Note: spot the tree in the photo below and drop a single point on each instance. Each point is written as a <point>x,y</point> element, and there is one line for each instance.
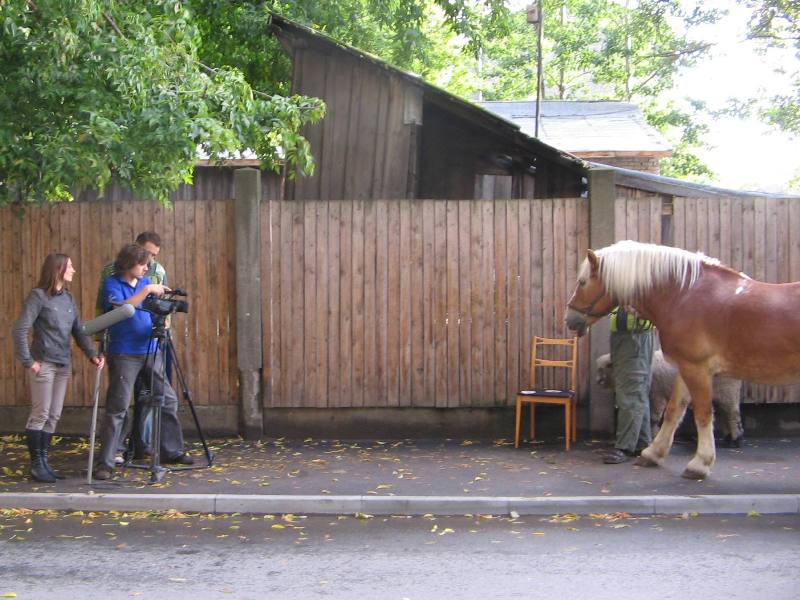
<point>776,24</point>
<point>604,50</point>
<point>95,90</point>
<point>410,34</point>
<point>102,90</point>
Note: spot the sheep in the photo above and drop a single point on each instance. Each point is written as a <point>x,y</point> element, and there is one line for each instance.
<point>726,394</point>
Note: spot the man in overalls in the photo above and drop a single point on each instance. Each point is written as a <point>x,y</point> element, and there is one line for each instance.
<point>631,359</point>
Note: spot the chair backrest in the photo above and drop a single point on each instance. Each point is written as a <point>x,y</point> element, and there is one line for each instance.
<point>569,352</point>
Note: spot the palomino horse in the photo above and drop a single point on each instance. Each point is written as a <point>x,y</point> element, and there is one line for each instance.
<point>710,320</point>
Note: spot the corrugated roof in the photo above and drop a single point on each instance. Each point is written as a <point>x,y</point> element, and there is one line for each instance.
<point>578,126</point>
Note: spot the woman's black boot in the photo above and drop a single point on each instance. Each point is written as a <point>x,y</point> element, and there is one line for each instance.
<point>46,437</point>
<point>37,471</point>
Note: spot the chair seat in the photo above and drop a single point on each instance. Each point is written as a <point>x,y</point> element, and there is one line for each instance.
<point>547,392</point>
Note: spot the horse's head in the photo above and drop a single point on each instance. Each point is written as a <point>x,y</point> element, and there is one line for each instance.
<point>589,301</point>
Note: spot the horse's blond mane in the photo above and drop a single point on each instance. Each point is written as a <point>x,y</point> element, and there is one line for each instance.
<point>630,269</point>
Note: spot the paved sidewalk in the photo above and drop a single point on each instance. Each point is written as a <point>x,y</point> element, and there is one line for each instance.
<point>416,477</point>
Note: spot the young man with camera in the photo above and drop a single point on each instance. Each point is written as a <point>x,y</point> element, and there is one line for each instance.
<point>138,424</point>
<point>130,355</point>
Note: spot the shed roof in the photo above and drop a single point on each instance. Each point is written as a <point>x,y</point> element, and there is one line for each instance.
<point>586,126</point>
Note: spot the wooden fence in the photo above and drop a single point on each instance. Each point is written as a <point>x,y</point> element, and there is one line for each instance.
<point>412,302</point>
<point>757,236</point>
<point>407,303</point>
<point>197,251</point>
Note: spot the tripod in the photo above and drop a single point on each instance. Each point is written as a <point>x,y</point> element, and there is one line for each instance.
<point>153,400</point>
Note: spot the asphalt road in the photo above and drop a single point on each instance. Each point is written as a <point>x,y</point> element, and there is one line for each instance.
<point>51,555</point>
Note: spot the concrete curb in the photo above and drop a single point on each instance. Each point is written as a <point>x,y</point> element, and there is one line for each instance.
<point>406,505</point>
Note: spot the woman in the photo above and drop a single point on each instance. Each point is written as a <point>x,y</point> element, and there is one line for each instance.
<point>51,311</point>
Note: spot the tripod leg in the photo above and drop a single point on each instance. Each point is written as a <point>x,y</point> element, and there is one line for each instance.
<point>157,401</point>
<point>187,395</point>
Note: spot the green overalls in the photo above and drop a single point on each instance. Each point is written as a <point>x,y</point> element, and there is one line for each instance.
<point>632,359</point>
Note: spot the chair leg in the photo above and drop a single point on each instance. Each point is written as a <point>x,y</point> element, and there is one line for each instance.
<point>533,420</point>
<point>518,422</point>
<point>568,422</point>
<point>574,421</point>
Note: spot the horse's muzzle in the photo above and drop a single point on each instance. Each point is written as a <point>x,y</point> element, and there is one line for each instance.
<point>576,322</point>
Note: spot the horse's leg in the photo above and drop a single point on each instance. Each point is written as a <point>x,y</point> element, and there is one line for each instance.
<point>657,451</point>
<point>698,381</point>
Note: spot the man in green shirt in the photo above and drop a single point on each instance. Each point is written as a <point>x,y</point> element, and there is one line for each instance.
<point>140,426</point>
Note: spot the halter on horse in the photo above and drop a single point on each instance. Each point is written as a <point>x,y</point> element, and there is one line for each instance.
<point>710,320</point>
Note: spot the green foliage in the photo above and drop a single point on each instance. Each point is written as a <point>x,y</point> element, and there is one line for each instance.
<point>594,49</point>
<point>776,24</point>
<point>417,35</point>
<point>603,50</point>
<point>686,133</point>
<point>95,91</point>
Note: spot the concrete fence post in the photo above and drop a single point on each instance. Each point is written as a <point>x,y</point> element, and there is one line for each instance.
<point>247,197</point>
<point>602,196</point>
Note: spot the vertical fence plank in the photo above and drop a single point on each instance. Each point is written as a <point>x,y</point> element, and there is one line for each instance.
<point>440,300</point>
<point>359,324</point>
<point>452,318</point>
<point>527,304</point>
<point>428,307</point>
<point>405,347</point>
<point>417,299</point>
<point>333,276</point>
<point>344,347</point>
<point>394,238</point>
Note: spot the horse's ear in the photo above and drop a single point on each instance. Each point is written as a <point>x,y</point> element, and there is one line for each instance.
<point>594,262</point>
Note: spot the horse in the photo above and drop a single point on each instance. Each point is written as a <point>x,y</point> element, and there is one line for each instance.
<point>710,319</point>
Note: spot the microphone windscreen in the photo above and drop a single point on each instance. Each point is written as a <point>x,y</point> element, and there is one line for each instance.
<point>112,317</point>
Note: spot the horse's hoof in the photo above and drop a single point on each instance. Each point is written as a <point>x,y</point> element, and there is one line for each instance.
<point>693,474</point>
<point>643,461</point>
<point>648,458</point>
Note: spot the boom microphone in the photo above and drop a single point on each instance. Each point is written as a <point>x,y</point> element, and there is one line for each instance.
<point>112,317</point>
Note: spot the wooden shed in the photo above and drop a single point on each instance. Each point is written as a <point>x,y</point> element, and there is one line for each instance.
<point>388,134</point>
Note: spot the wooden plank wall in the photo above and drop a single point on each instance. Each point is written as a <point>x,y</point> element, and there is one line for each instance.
<point>197,251</point>
<point>427,303</point>
<point>363,147</point>
<point>638,216</point>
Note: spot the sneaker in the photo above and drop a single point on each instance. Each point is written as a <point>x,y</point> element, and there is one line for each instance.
<point>102,473</point>
<point>617,456</point>
<point>181,459</point>
<point>119,460</point>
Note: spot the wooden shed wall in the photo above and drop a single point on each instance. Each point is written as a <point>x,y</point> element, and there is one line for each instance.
<point>363,148</point>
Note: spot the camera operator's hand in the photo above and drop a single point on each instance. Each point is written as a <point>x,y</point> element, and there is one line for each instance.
<point>157,289</point>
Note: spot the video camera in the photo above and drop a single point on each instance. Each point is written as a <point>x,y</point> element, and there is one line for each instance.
<point>166,304</point>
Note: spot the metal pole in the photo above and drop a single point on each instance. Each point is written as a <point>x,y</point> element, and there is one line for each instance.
<point>536,17</point>
<point>539,78</point>
<point>93,426</point>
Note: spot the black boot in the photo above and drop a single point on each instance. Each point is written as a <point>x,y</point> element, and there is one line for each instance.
<point>46,437</point>
<point>37,470</point>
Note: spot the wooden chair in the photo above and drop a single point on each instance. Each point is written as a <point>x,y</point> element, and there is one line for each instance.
<point>539,395</point>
